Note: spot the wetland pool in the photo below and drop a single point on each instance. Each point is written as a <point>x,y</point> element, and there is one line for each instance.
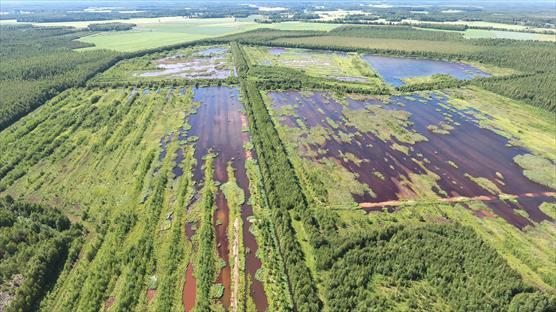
<point>460,160</point>
<point>394,69</point>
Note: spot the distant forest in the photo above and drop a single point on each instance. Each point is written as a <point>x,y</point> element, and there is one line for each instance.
<point>38,63</point>
<point>535,16</point>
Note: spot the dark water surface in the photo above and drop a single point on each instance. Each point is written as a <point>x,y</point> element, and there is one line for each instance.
<point>475,151</point>
<point>394,69</point>
<point>218,125</point>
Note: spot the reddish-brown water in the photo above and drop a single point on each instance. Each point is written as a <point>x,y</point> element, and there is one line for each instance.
<point>218,125</point>
<point>189,231</point>
<point>189,289</point>
<point>221,221</point>
<point>476,151</point>
<point>252,263</point>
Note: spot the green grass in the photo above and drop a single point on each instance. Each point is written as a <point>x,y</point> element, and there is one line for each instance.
<point>150,33</point>
<point>504,34</point>
<point>386,124</point>
<point>438,78</point>
<point>524,125</point>
<point>538,169</point>
<point>315,63</point>
<point>414,295</point>
<point>136,40</point>
<point>549,209</point>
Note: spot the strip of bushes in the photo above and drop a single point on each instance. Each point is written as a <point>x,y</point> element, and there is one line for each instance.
<point>205,268</point>
<point>283,192</point>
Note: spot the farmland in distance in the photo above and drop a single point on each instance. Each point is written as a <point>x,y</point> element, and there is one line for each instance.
<point>266,172</point>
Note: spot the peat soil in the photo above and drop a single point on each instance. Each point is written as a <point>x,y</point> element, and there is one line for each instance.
<point>218,126</point>
<point>448,160</point>
<point>189,289</point>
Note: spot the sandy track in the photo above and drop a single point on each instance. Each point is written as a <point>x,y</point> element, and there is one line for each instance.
<point>391,203</point>
<point>235,276</point>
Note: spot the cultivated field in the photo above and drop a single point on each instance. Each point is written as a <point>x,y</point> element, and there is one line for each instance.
<point>501,34</point>
<point>382,44</point>
<point>153,33</point>
<point>495,26</point>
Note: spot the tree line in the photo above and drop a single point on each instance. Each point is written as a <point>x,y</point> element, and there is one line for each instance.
<point>534,84</point>
<point>110,26</point>
<point>283,192</point>
<point>394,32</point>
<point>205,268</point>
<point>466,273</point>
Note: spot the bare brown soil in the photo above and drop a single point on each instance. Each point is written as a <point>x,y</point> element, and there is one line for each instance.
<point>109,302</point>
<point>485,214</point>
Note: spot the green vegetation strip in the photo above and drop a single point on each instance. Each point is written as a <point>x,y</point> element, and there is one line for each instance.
<point>281,189</point>
<point>43,239</point>
<point>205,268</point>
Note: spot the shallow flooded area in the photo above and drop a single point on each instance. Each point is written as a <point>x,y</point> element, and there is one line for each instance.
<point>205,67</point>
<point>189,289</point>
<point>348,67</point>
<point>409,148</point>
<point>394,69</point>
<point>218,124</point>
<point>195,62</point>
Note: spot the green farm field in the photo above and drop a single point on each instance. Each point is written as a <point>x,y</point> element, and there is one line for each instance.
<point>496,26</point>
<point>153,33</point>
<point>501,34</point>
